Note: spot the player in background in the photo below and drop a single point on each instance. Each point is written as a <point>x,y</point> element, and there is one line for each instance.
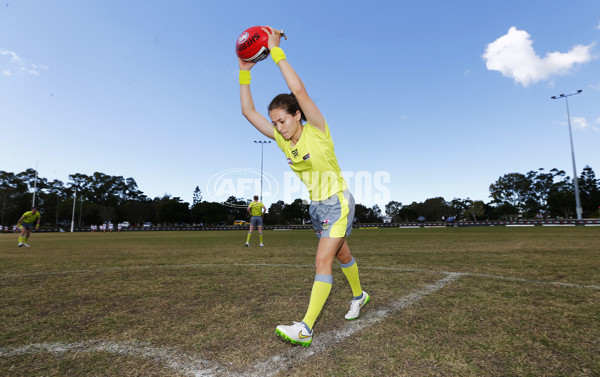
<point>309,150</point>
<point>257,211</point>
<point>26,224</point>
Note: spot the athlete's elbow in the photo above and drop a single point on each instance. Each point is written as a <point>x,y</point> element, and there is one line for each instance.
<point>298,91</point>
<point>246,112</point>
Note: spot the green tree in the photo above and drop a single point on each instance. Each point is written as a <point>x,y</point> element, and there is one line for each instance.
<point>561,199</point>
<point>236,209</point>
<point>209,213</point>
<point>474,210</point>
<point>275,213</point>
<point>295,212</point>
<point>506,211</point>
<point>459,206</point>
<point>432,209</point>
<point>392,209</point>
<point>589,190</point>
<point>512,189</point>
<point>197,196</point>
<point>363,214</point>
<point>408,213</point>
<point>172,211</point>
<point>137,211</point>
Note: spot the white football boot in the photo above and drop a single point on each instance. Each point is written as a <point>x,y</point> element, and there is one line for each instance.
<point>355,306</point>
<point>296,334</point>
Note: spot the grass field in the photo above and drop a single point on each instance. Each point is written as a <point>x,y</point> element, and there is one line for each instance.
<point>491,301</point>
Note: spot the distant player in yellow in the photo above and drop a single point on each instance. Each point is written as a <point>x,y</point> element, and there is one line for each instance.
<point>257,211</point>
<point>309,150</point>
<point>26,224</point>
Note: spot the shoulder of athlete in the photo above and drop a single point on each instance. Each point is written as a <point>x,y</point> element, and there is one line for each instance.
<point>317,130</point>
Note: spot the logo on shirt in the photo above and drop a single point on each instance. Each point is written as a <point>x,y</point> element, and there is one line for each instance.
<point>295,153</point>
<point>290,161</point>
<point>306,157</point>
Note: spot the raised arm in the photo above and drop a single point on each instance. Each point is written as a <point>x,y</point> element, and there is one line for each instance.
<point>311,111</point>
<point>248,109</point>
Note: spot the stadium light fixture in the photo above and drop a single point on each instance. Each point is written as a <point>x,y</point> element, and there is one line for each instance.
<point>575,179</point>
<point>262,145</point>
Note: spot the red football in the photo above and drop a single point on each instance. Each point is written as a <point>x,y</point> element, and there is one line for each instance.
<point>252,45</point>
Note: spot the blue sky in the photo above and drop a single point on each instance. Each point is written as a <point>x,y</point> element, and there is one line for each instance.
<point>423,99</point>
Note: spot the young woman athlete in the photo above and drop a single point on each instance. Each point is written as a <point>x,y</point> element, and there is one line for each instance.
<point>309,150</point>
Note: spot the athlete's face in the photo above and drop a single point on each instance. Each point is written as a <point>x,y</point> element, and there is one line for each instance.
<point>287,124</point>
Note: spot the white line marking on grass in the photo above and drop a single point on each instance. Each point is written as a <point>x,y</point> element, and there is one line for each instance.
<point>176,361</point>
<point>190,366</point>
<point>499,277</point>
<point>327,340</point>
<point>186,365</point>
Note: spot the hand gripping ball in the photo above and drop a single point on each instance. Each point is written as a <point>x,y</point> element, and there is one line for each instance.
<point>252,45</point>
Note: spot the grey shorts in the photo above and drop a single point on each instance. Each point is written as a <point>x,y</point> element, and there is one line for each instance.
<point>333,216</point>
<point>27,226</point>
<point>256,221</point>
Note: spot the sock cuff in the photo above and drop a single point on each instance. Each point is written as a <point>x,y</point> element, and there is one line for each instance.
<point>306,326</point>
<point>324,278</point>
<point>349,264</point>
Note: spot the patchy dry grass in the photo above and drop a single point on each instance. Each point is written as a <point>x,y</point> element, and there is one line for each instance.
<point>177,303</point>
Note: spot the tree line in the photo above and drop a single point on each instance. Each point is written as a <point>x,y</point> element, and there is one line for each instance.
<point>99,198</point>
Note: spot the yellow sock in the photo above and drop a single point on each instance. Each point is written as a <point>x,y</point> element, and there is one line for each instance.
<point>350,269</point>
<point>25,239</point>
<point>320,292</point>
<point>248,238</point>
<point>20,239</point>
<point>260,237</point>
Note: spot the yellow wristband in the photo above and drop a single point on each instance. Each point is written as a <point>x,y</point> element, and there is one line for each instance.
<point>244,77</point>
<point>277,54</point>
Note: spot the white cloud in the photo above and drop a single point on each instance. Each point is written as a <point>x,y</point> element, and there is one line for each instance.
<point>14,57</point>
<point>580,123</point>
<point>22,65</point>
<point>513,56</point>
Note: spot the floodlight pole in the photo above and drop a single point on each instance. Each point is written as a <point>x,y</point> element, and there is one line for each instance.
<point>262,145</point>
<point>575,179</point>
<point>73,216</point>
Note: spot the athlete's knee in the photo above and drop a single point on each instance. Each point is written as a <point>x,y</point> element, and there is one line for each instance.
<point>323,260</point>
<point>344,258</point>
